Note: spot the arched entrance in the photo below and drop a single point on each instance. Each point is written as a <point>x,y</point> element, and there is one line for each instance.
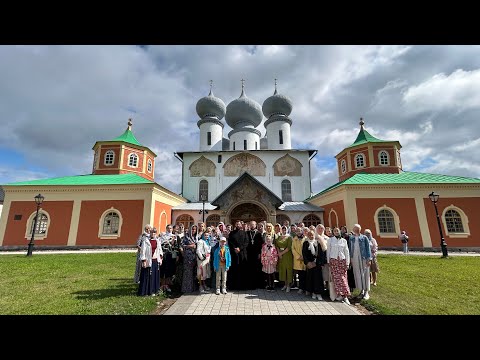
<point>247,212</point>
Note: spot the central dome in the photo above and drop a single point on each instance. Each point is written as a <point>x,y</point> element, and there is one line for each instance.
<point>243,110</point>
<point>210,106</point>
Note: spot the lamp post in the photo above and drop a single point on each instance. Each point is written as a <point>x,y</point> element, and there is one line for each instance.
<point>434,198</point>
<point>38,200</point>
<point>203,198</point>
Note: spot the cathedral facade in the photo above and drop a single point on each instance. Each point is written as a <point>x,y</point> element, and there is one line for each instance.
<point>245,176</point>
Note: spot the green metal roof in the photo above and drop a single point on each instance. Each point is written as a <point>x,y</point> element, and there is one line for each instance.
<point>364,137</point>
<point>79,180</point>
<point>405,177</point>
<point>128,137</point>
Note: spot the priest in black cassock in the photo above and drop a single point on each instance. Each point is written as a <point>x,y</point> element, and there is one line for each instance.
<point>254,249</point>
<point>238,273</point>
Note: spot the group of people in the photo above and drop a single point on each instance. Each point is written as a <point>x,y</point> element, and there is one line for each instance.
<point>318,261</point>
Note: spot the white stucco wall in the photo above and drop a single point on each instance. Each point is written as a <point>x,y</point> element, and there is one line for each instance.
<point>1,207</point>
<point>273,137</point>
<point>217,184</point>
<point>240,136</point>
<point>217,135</point>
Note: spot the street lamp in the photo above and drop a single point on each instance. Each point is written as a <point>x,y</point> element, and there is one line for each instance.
<point>39,200</point>
<point>434,198</point>
<point>203,198</point>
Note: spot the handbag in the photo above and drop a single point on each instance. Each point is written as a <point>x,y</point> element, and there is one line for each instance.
<point>311,265</point>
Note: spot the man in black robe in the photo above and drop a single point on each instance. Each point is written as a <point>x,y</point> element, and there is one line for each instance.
<point>255,242</point>
<point>238,273</point>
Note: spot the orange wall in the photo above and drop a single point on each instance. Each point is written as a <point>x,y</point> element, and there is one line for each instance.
<point>406,211</point>
<point>92,210</point>
<point>159,221</point>
<point>339,208</point>
<point>127,152</point>
<point>103,150</point>
<point>60,216</point>
<point>469,206</point>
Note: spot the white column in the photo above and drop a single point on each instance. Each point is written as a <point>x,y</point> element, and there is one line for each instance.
<point>422,222</point>
<point>72,234</point>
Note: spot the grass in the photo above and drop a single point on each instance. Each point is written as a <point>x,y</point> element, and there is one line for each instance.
<point>71,284</point>
<point>426,285</point>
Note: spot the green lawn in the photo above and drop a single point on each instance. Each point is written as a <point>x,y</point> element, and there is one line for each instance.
<point>73,284</point>
<point>426,285</point>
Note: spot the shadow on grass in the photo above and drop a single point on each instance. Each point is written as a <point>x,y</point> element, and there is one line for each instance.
<point>124,287</point>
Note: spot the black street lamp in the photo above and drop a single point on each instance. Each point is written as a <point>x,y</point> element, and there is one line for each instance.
<point>39,200</point>
<point>434,198</point>
<point>203,198</point>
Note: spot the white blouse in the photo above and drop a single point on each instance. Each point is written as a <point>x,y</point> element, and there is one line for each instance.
<point>338,249</point>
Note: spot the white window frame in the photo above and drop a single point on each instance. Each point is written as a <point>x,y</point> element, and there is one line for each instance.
<point>101,235</point>
<point>330,219</point>
<point>380,158</point>
<point>363,159</point>
<point>343,166</point>
<point>28,234</point>
<point>130,156</point>
<point>149,165</point>
<point>105,158</point>
<point>396,220</point>
<point>463,216</point>
<point>281,189</point>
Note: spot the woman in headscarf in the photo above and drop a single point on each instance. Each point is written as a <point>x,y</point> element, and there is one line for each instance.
<point>322,239</point>
<point>314,258</point>
<point>285,262</point>
<point>338,257</point>
<point>189,244</point>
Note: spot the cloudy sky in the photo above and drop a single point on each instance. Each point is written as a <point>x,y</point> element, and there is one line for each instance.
<point>57,101</point>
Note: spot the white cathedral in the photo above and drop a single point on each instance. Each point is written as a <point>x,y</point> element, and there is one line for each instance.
<point>246,177</point>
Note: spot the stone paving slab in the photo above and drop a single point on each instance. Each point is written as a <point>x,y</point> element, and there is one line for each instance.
<point>257,302</point>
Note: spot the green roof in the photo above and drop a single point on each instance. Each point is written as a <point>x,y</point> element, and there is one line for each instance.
<point>80,180</point>
<point>405,177</point>
<point>365,137</point>
<point>128,137</point>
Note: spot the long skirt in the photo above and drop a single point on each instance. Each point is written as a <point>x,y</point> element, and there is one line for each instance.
<point>374,266</point>
<point>314,283</point>
<point>338,270</point>
<point>155,277</point>
<point>189,272</point>
<point>168,265</point>
<point>145,285</point>
<point>138,268</point>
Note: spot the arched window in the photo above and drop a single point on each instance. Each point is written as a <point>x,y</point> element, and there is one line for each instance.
<point>286,190</point>
<point>453,221</point>
<point>343,165</point>
<point>42,224</point>
<point>213,220</point>
<point>386,221</point>
<point>203,189</point>
<point>311,219</point>
<point>332,219</point>
<point>149,166</point>
<point>186,220</point>
<point>281,218</point>
<point>359,160</point>
<point>95,157</point>
<point>111,223</point>
<point>133,160</point>
<point>109,158</point>
<point>384,158</point>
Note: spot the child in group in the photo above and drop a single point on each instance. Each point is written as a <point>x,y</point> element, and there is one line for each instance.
<point>269,259</point>
<point>203,260</point>
<point>221,264</point>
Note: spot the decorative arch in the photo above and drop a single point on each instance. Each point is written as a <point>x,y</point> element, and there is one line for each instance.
<point>110,224</point>
<point>287,166</point>
<point>109,158</point>
<point>343,165</point>
<point>455,222</point>
<point>311,219</point>
<point>286,190</point>
<point>248,202</point>
<point>330,219</point>
<point>359,160</point>
<point>133,160</point>
<point>244,162</point>
<point>387,216</point>
<point>212,220</point>
<point>202,167</point>
<point>43,225</point>
<point>383,158</point>
<point>186,220</point>
<point>162,224</point>
<point>202,189</point>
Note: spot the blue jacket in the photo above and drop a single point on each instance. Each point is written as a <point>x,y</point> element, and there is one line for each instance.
<point>364,246</point>
<point>216,258</point>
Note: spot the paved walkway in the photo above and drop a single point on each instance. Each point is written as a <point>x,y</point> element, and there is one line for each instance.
<point>257,302</point>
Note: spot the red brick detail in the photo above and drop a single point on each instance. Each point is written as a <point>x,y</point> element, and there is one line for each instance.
<point>92,210</point>
<point>339,209</point>
<point>406,211</point>
<point>59,222</point>
<point>469,206</point>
